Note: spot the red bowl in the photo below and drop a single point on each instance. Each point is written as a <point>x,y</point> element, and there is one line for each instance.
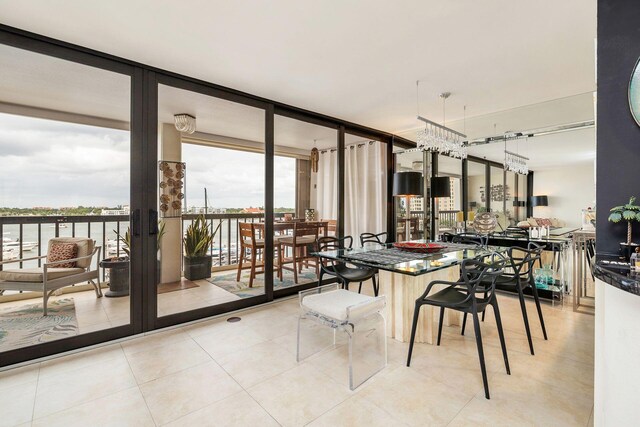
<point>419,247</point>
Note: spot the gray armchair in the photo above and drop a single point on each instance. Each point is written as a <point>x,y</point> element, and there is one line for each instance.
<point>49,278</point>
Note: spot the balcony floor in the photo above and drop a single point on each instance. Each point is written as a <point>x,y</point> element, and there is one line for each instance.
<point>245,373</point>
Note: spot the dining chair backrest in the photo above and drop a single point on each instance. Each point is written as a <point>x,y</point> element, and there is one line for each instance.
<point>475,275</point>
<point>331,243</point>
<point>304,229</point>
<point>380,238</point>
<point>247,233</point>
<point>522,262</point>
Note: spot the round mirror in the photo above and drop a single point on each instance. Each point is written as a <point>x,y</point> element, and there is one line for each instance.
<point>634,93</point>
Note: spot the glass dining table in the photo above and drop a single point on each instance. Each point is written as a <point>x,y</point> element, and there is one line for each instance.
<point>404,276</point>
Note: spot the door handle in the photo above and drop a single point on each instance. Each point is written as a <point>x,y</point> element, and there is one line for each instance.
<point>153,222</point>
<point>135,222</point>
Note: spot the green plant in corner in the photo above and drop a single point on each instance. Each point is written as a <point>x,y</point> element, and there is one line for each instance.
<point>125,240</point>
<point>198,237</point>
<point>629,212</point>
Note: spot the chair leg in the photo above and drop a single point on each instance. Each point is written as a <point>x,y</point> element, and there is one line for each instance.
<point>414,326</point>
<point>45,299</point>
<point>295,265</point>
<point>464,323</point>
<point>484,311</point>
<point>483,368</point>
<point>253,268</point>
<point>240,261</point>
<point>503,344</point>
<point>440,324</point>
<point>360,288</point>
<point>320,278</point>
<point>537,300</point>
<point>375,285</point>
<point>526,319</point>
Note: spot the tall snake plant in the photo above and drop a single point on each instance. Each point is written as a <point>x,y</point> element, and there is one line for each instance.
<point>198,237</point>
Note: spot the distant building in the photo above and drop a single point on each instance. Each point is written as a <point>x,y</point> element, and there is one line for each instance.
<point>252,210</point>
<point>121,210</point>
<point>417,204</point>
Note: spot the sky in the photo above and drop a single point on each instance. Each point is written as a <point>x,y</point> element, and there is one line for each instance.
<point>58,164</point>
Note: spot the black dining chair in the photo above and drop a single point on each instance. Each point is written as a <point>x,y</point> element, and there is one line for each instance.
<point>472,294</point>
<point>380,238</point>
<point>471,239</point>
<point>517,277</point>
<point>343,273</point>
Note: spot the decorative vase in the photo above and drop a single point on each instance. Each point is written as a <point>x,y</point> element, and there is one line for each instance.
<point>310,215</point>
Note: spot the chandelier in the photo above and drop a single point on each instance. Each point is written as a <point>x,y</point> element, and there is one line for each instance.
<point>185,123</point>
<point>514,162</point>
<point>439,138</point>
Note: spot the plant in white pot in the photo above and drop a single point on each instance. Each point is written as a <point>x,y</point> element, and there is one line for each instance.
<point>197,241</point>
<point>630,213</point>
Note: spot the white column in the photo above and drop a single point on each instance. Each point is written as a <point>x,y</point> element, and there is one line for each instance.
<point>171,244</point>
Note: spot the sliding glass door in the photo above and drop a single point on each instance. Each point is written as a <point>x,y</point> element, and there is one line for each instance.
<point>70,255</point>
<point>211,227</point>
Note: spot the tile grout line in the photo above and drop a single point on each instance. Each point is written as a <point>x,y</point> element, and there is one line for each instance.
<point>138,386</point>
<point>35,394</point>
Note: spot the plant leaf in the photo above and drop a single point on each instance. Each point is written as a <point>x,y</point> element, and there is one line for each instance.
<point>617,208</point>
<point>629,215</point>
<point>615,217</point>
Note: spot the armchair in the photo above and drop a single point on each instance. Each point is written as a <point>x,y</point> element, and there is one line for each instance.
<point>49,278</point>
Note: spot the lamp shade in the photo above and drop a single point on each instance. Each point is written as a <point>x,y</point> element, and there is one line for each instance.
<point>539,201</point>
<point>440,186</point>
<point>407,184</point>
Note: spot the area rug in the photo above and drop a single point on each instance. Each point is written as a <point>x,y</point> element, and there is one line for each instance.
<point>183,284</point>
<point>229,283</point>
<point>25,325</point>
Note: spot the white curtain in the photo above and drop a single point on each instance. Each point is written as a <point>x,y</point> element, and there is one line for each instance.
<point>327,185</point>
<point>365,188</point>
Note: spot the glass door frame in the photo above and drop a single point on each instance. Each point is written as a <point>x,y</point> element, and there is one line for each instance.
<point>42,45</point>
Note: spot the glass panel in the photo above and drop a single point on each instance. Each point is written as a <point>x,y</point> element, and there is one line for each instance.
<point>65,150</point>
<point>522,198</point>
<point>417,215</point>
<point>476,183</point>
<point>305,195</point>
<point>365,187</point>
<point>210,182</point>
<point>450,208</point>
<point>498,195</point>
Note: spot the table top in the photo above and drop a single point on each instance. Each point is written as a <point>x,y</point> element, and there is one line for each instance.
<point>559,235</point>
<point>386,257</point>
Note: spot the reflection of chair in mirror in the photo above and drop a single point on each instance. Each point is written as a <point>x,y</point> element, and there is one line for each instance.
<point>413,229</point>
<point>302,243</point>
<point>253,245</point>
<point>57,272</point>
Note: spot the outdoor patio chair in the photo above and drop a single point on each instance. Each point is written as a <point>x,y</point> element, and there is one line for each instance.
<point>51,277</point>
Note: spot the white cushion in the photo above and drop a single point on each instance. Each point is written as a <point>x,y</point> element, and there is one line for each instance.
<point>36,275</point>
<point>334,303</point>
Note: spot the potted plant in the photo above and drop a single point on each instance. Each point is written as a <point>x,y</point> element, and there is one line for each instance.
<point>119,268</point>
<point>629,212</point>
<point>197,241</point>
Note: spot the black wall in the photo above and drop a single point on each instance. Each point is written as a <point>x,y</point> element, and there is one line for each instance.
<point>618,135</point>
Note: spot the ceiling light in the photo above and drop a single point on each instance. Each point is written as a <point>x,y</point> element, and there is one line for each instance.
<point>185,123</point>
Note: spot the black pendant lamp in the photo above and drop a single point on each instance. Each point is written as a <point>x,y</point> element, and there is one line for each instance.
<point>539,201</point>
<point>407,184</point>
<point>440,186</point>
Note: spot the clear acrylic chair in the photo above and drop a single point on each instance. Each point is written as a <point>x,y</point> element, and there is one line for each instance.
<point>328,312</point>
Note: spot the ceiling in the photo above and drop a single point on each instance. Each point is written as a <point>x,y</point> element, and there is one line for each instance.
<point>358,61</point>
<point>355,60</point>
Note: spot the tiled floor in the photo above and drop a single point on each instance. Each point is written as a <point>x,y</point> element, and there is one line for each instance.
<point>245,374</point>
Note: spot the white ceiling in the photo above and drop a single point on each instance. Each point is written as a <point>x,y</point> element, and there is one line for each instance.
<point>354,60</point>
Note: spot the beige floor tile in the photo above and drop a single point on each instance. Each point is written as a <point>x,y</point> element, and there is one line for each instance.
<point>17,376</point>
<point>298,396</point>
<point>74,387</point>
<point>257,363</point>
<point>227,340</point>
<point>16,405</point>
<point>234,411</point>
<point>125,408</point>
<point>181,393</point>
<point>163,360</point>
<point>96,356</point>
<point>153,340</point>
<point>414,399</point>
<point>356,411</point>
